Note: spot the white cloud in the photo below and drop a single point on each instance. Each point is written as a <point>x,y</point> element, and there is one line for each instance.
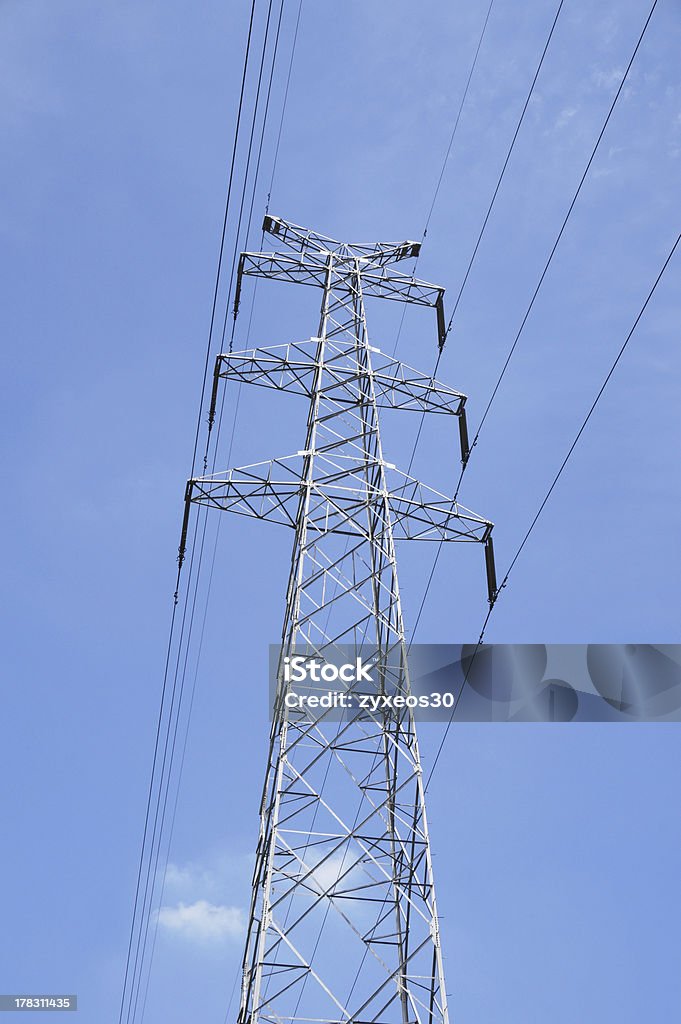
<point>217,879</point>
<point>345,870</point>
<point>203,921</point>
<point>327,874</point>
<point>182,880</point>
<point>565,116</point>
<point>609,80</point>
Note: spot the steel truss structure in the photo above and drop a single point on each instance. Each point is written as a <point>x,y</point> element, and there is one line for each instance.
<point>343,921</point>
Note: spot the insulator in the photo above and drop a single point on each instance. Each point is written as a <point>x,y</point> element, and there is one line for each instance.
<point>491,571</point>
<point>441,325</point>
<point>185,523</point>
<point>463,436</point>
<point>214,394</point>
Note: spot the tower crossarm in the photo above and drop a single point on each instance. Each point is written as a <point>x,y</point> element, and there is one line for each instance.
<point>272,490</point>
<point>311,268</point>
<point>292,367</point>
<point>371,254</point>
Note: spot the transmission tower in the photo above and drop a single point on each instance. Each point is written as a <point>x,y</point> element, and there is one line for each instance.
<point>343,922</point>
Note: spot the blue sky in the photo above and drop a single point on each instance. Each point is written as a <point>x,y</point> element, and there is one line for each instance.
<point>556,848</point>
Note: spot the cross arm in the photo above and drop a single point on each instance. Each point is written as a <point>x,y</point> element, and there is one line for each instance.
<point>339,491</point>
<point>291,368</point>
<point>304,241</point>
<point>313,267</point>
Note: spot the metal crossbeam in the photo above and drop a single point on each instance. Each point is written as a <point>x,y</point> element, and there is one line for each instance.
<point>302,240</point>
<point>292,368</point>
<point>273,490</point>
<point>343,923</point>
<point>311,259</point>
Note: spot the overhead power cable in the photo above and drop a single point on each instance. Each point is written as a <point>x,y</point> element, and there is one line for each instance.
<point>223,235</point>
<point>549,492</point>
<point>167,764</point>
<point>147,819</point>
<point>215,544</point>
<point>187,644</point>
<point>194,576</point>
<point>559,236</point>
<point>203,537</point>
<point>284,104</point>
<point>166,719</point>
<point>237,234</point>
<point>447,154</point>
<point>458,117</point>
<point>588,415</point>
<point>248,227</point>
<point>489,208</point>
<point>505,165</point>
<point>159,786</point>
<point>136,923</point>
<point>533,298</point>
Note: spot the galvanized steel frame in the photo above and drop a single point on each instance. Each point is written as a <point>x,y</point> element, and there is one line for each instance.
<point>343,922</point>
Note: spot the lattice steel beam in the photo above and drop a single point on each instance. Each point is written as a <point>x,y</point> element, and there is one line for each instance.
<point>291,368</point>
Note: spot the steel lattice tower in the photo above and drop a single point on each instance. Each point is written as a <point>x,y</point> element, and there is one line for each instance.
<point>343,922</point>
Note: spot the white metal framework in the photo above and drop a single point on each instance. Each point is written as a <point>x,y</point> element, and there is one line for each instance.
<point>343,922</point>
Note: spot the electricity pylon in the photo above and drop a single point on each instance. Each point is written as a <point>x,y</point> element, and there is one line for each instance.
<point>343,922</point>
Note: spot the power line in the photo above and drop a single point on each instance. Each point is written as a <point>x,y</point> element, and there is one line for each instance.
<point>549,492</point>
<point>458,117</point>
<point>558,237</point>
<point>146,854</point>
<point>505,165</point>
<point>285,101</point>
<point>446,158</point>
<point>250,216</point>
<point>223,235</point>
<point>264,120</point>
<point>164,785</point>
<point>139,925</point>
<point>536,290</point>
<point>147,812</point>
<point>489,209</point>
<point>589,413</point>
<point>246,172</point>
<point>165,788</point>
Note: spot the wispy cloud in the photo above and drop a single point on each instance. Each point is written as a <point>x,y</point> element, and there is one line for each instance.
<point>565,116</point>
<point>327,874</point>
<point>186,879</point>
<point>607,79</point>
<point>203,922</point>
<point>339,874</point>
<point>217,878</point>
